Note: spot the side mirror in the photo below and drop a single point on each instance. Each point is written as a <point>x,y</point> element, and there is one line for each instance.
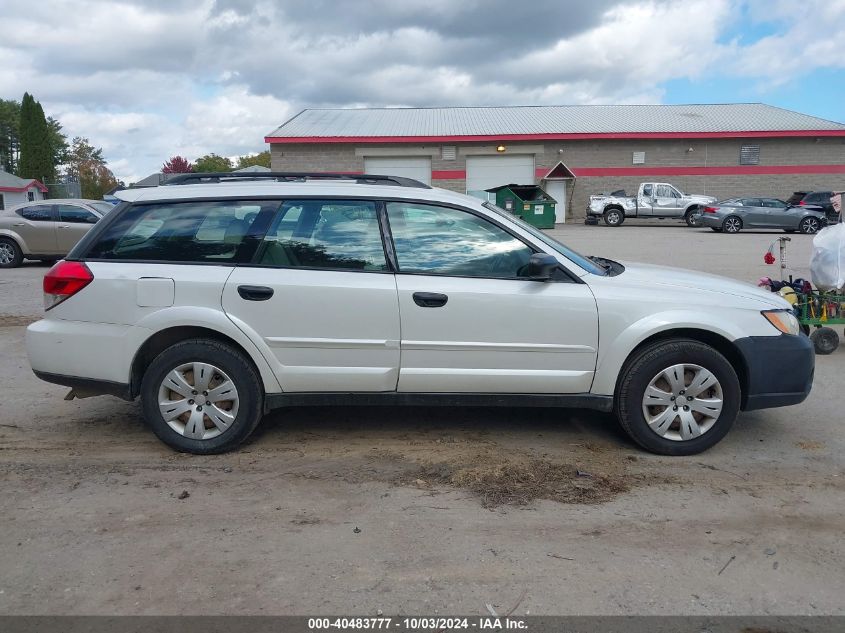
<point>541,266</point>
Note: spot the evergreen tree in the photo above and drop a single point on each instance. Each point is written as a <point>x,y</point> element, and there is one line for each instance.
<point>10,120</point>
<point>36,147</point>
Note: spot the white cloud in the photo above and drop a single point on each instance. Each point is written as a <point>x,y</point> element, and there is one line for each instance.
<point>146,79</point>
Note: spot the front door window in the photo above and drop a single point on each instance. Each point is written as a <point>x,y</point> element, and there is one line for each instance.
<point>441,241</point>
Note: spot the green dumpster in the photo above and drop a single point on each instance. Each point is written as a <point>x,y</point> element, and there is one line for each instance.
<point>528,202</point>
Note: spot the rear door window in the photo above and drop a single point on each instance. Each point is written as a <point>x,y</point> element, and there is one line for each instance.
<point>37,213</point>
<point>329,234</point>
<point>219,231</point>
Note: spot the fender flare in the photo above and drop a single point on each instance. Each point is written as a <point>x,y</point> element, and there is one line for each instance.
<point>216,320</point>
<point>20,241</point>
<point>613,354</point>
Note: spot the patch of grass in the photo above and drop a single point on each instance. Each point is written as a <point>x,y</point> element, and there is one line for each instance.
<point>520,483</point>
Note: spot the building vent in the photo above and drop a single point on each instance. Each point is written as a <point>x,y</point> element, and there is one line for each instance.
<point>749,155</point>
<point>448,152</point>
<point>638,158</point>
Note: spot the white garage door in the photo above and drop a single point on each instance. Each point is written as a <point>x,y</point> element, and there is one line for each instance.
<point>417,167</point>
<point>485,172</point>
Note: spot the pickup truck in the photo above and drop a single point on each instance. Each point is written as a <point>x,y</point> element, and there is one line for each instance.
<point>653,200</point>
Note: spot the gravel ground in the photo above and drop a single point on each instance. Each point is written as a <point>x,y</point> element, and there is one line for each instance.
<point>333,510</point>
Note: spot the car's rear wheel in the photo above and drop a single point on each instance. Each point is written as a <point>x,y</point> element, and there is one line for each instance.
<point>732,224</point>
<point>202,396</point>
<point>677,397</point>
<point>693,217</point>
<point>809,225</point>
<point>11,255</point>
<point>614,217</point>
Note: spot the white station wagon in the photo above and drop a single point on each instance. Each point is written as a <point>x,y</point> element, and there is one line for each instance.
<point>216,298</point>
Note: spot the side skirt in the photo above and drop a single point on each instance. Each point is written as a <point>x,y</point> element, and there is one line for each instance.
<point>393,398</point>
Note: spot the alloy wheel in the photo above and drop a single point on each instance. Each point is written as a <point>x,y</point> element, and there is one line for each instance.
<point>7,254</point>
<point>809,225</point>
<point>732,225</point>
<point>198,400</point>
<point>682,402</point>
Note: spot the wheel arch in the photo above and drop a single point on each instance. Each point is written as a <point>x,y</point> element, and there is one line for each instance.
<point>17,239</point>
<point>159,341</point>
<point>717,341</point>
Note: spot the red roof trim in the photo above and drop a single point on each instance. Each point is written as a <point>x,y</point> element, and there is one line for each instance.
<point>448,174</point>
<point>733,170</point>
<point>30,185</point>
<point>548,136</point>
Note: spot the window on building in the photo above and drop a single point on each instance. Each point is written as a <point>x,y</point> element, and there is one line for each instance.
<point>749,155</point>
<point>638,158</point>
<point>330,234</point>
<point>30,196</point>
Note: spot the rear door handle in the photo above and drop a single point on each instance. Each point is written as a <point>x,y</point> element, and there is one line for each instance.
<point>255,293</point>
<point>19,224</point>
<point>430,299</point>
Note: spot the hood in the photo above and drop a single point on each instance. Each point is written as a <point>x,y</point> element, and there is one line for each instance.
<point>703,199</point>
<point>668,278</point>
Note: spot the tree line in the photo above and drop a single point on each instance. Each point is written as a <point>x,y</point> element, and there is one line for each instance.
<point>214,163</point>
<point>34,147</point>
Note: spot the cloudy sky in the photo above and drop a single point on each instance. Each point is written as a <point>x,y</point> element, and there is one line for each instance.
<point>147,79</point>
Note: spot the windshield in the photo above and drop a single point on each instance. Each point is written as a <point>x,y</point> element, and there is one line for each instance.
<point>102,207</point>
<point>585,263</point>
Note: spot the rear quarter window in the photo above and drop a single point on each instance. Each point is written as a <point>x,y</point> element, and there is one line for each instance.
<point>217,231</point>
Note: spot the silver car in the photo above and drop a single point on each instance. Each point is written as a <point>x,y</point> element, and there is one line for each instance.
<point>46,229</point>
<point>735,214</point>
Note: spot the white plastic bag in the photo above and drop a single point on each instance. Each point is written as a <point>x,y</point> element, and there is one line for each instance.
<point>827,264</point>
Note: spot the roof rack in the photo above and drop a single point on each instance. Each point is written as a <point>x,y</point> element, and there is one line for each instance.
<point>293,176</point>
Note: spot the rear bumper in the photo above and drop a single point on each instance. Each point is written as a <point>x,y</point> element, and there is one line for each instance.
<point>85,387</point>
<point>708,219</point>
<point>780,370</point>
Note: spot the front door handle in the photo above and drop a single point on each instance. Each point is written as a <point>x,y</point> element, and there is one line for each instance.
<point>430,299</point>
<point>255,293</point>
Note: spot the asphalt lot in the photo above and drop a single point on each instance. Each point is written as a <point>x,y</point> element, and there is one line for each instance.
<point>416,511</point>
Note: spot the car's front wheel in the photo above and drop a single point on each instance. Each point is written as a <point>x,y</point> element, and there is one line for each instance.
<point>10,253</point>
<point>693,217</point>
<point>677,397</point>
<point>202,396</point>
<point>809,225</point>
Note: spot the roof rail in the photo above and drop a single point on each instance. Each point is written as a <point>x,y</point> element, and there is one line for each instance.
<point>292,176</point>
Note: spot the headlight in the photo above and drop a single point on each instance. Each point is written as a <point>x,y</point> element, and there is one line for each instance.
<point>783,320</point>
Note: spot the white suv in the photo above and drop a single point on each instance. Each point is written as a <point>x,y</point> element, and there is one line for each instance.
<point>216,298</point>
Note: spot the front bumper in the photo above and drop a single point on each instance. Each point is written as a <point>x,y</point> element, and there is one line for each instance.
<point>779,370</point>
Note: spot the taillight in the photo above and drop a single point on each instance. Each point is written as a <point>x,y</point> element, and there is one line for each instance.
<point>710,209</point>
<point>64,280</point>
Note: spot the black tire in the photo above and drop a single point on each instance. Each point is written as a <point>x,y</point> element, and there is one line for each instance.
<point>810,225</point>
<point>239,370</point>
<point>732,224</point>
<point>693,217</point>
<point>647,363</point>
<point>11,255</point>
<point>614,217</point>
<point>825,340</point>
<point>716,229</point>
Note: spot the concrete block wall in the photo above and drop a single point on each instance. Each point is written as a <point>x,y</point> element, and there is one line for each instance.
<point>593,154</point>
